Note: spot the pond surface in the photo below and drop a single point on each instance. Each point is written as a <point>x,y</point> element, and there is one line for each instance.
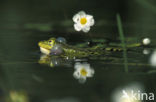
<point>21,74</point>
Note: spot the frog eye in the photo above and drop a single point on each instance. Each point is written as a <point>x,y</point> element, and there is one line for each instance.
<point>49,42</point>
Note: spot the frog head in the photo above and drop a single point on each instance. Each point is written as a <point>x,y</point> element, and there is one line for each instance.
<point>47,45</point>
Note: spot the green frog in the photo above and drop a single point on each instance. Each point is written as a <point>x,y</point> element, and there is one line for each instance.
<point>47,46</point>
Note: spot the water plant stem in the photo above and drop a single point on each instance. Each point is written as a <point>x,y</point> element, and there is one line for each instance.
<point>122,38</point>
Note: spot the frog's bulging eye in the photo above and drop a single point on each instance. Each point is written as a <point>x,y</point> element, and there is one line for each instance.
<point>50,41</point>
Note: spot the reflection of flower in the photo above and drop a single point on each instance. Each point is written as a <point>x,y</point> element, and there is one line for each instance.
<point>83,21</point>
<point>146,51</point>
<point>82,71</point>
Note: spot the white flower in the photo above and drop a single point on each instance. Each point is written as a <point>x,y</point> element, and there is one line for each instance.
<point>146,41</point>
<point>125,94</point>
<point>82,71</point>
<point>153,59</point>
<point>83,21</point>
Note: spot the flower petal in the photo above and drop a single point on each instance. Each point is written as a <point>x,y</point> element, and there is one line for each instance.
<point>76,18</point>
<point>82,14</point>
<point>90,73</point>
<point>77,66</point>
<point>76,74</point>
<point>90,20</point>
<point>86,66</point>
<point>77,27</point>
<point>85,29</point>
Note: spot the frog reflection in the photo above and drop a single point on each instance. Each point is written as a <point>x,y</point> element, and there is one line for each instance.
<point>54,61</point>
<point>83,71</point>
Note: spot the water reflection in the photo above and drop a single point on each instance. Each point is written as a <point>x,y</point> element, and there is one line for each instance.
<point>82,68</point>
<point>146,51</point>
<point>54,61</point>
<point>83,71</point>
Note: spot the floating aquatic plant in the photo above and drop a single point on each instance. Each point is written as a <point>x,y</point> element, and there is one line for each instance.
<point>83,21</point>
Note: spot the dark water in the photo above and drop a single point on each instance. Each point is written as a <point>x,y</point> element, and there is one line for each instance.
<point>24,23</point>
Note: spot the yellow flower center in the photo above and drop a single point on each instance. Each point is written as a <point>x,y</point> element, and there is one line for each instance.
<point>83,21</point>
<point>83,72</point>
